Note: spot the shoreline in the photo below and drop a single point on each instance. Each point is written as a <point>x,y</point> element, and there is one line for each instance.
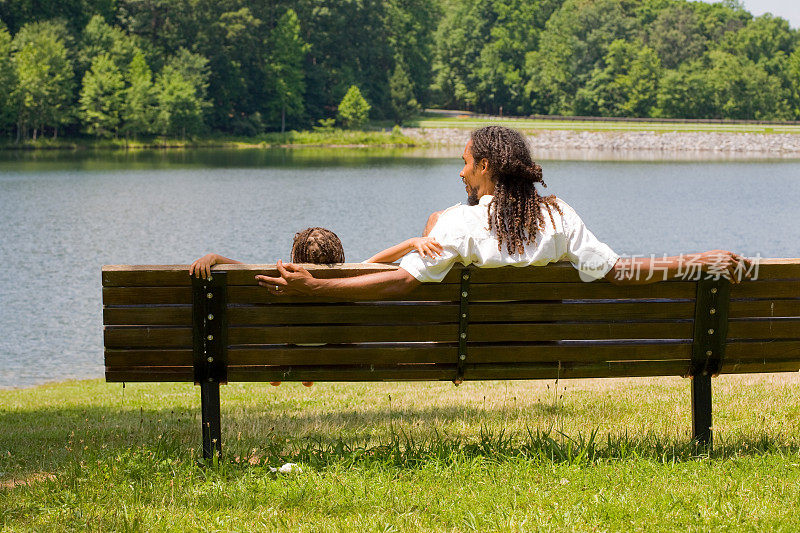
<point>438,142</point>
<point>684,144</point>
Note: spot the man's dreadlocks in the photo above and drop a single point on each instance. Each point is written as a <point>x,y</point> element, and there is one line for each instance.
<point>318,246</point>
<point>515,212</point>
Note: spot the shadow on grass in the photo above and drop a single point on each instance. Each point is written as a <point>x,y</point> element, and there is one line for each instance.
<point>56,439</point>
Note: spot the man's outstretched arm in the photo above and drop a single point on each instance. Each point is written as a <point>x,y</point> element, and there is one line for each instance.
<point>296,280</point>
<point>644,270</point>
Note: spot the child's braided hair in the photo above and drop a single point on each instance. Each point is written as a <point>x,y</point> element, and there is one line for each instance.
<point>318,246</point>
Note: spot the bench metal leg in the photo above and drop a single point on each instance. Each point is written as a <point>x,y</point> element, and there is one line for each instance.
<point>701,409</point>
<point>212,426</point>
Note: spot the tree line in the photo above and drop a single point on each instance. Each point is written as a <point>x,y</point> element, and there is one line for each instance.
<point>182,67</point>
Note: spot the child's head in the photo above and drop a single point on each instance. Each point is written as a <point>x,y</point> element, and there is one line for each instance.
<point>317,245</point>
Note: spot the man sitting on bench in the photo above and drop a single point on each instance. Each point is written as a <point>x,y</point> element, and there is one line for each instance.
<point>507,222</point>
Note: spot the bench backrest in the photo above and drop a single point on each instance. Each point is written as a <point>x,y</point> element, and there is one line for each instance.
<point>506,323</point>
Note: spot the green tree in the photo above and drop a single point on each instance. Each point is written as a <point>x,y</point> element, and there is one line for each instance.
<point>404,104</point>
<point>572,47</point>
<point>180,110</point>
<point>685,93</point>
<point>411,30</point>
<point>721,85</point>
<point>45,77</point>
<point>353,109</point>
<point>793,75</point>
<point>676,35</point>
<point>8,81</point>
<point>763,38</point>
<point>102,97</point>
<point>193,68</point>
<point>481,48</point>
<point>626,87</point>
<point>138,110</point>
<point>743,89</point>
<point>286,66</point>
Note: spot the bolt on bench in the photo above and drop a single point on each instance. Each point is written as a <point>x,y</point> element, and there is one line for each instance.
<point>478,324</point>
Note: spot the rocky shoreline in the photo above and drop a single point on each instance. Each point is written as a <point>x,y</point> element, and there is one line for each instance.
<point>690,143</point>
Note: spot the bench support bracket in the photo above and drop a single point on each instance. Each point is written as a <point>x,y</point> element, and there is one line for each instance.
<point>463,323</point>
<point>708,351</point>
<point>212,424</point>
<point>209,346</point>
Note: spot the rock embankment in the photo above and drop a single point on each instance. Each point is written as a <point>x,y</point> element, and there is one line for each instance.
<point>715,142</point>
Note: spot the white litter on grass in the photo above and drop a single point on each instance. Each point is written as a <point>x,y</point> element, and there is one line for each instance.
<point>288,468</point>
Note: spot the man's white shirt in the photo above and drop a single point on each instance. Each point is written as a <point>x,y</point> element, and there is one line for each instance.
<point>463,232</point>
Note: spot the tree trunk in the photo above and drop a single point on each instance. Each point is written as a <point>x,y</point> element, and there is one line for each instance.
<point>283,119</point>
<point>34,133</point>
<point>55,132</point>
<point>19,131</point>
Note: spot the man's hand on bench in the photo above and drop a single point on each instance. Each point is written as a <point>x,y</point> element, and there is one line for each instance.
<point>294,280</point>
<point>643,270</point>
<point>377,286</point>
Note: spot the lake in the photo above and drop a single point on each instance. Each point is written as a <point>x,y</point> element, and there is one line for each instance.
<point>64,215</point>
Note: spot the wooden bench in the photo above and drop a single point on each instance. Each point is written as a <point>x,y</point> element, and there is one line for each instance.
<point>479,324</point>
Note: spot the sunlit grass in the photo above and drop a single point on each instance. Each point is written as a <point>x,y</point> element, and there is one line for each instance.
<point>609,454</point>
<point>334,137</point>
<point>611,125</point>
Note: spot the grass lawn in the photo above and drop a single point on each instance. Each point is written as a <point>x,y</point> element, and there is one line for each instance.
<point>345,138</point>
<point>533,124</point>
<point>586,455</point>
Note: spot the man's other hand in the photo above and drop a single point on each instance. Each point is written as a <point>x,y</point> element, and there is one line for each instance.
<point>294,280</point>
<point>731,266</point>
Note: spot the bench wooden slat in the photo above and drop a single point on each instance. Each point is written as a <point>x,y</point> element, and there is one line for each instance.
<point>759,366</point>
<point>296,355</point>
<point>493,292</point>
<point>339,335</point>
<point>409,353</point>
<point>148,316</point>
<point>582,291</point>
<point>581,331</point>
<point>764,329</point>
<point>764,308</point>
<point>145,374</point>
<point>589,352</point>
<point>381,313</point>
<point>772,349</point>
<point>621,310</point>
<point>766,289</point>
<point>355,373</point>
<point>496,353</point>
<point>148,357</point>
<point>776,269</point>
<point>473,372</point>
<point>445,372</point>
<point>259,295</point>
<point>147,295</point>
<point>147,337</point>
<point>449,332</point>
<point>177,275</point>
<point>370,313</point>
<point>577,370</point>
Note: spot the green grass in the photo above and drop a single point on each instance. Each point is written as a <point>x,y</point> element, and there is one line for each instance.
<point>533,124</point>
<point>608,455</point>
<point>347,138</point>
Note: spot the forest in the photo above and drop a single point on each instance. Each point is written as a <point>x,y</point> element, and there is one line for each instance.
<point>133,68</point>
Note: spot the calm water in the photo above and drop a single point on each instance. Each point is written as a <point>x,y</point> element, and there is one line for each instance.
<point>63,216</point>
